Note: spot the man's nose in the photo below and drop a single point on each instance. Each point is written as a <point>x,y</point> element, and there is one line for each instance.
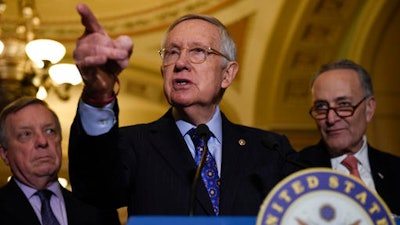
<point>332,116</point>
<point>41,140</point>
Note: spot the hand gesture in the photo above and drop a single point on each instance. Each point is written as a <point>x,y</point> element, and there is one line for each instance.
<point>99,58</point>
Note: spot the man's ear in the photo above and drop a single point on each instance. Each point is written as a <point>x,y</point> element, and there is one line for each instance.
<point>3,154</point>
<point>229,74</point>
<point>370,109</point>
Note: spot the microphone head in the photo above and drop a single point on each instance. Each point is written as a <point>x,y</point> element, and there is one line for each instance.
<point>202,130</point>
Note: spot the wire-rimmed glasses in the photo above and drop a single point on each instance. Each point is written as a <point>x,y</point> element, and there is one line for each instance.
<point>196,54</point>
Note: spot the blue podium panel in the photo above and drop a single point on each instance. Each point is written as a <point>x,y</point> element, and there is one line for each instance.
<point>194,220</point>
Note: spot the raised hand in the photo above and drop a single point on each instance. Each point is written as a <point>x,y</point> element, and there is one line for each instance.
<point>99,58</point>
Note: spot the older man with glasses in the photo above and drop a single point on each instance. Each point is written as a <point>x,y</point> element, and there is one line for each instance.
<point>343,105</point>
<point>154,168</point>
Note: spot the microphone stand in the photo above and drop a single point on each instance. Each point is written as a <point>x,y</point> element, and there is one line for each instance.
<point>203,132</point>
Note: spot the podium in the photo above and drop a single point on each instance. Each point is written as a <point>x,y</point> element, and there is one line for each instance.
<point>197,220</point>
<point>310,196</point>
<point>193,220</point>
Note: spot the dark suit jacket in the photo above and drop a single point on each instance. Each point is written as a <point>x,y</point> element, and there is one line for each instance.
<point>155,169</point>
<point>15,209</point>
<point>385,169</point>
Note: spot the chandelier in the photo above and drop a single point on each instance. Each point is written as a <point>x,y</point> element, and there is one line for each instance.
<point>30,66</point>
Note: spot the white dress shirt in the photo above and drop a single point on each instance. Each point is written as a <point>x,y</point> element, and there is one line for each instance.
<point>364,167</point>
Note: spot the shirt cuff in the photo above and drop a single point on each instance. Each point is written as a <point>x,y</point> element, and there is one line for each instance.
<point>96,121</point>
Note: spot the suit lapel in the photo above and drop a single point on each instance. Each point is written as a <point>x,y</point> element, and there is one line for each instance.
<point>15,204</point>
<point>375,164</point>
<point>70,208</point>
<point>168,140</point>
<point>233,155</point>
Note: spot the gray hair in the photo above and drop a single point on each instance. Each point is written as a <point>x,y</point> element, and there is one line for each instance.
<point>228,46</point>
<point>365,78</point>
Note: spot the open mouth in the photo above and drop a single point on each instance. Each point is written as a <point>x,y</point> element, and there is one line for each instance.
<point>181,82</point>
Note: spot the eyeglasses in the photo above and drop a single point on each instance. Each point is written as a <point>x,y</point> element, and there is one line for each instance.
<point>196,54</point>
<point>320,112</point>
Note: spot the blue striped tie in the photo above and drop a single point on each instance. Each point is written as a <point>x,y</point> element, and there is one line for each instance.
<point>209,172</point>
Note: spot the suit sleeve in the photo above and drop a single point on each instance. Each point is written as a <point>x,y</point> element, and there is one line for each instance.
<point>92,165</point>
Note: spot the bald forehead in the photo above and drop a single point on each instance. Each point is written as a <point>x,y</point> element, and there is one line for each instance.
<point>337,82</point>
<point>338,75</point>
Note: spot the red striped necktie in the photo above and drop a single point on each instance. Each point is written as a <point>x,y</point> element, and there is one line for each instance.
<point>351,163</point>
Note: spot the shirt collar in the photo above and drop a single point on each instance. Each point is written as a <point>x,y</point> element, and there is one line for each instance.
<point>361,155</point>
<point>215,125</point>
<point>29,192</point>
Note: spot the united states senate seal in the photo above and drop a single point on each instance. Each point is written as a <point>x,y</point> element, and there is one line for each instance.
<point>325,197</point>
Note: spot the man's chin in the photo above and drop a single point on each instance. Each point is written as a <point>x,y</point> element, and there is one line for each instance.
<point>336,146</point>
<point>47,171</point>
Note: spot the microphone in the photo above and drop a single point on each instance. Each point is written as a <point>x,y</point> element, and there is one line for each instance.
<point>204,133</point>
<point>272,144</point>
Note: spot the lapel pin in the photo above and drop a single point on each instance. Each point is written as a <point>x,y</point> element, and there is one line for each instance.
<point>242,142</point>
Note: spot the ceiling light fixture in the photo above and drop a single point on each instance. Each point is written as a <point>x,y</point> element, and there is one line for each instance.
<point>30,66</point>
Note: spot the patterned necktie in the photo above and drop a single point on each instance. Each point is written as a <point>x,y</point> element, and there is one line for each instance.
<point>351,163</point>
<point>48,217</point>
<point>209,172</point>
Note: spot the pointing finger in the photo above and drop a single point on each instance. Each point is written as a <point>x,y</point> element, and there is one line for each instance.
<point>89,21</point>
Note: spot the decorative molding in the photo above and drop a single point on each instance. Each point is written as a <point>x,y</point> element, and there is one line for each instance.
<point>318,42</point>
<point>136,22</point>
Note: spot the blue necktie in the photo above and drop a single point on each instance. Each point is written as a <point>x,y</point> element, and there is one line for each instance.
<point>209,172</point>
<point>48,217</point>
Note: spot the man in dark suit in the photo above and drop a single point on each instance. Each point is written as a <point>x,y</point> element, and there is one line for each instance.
<point>343,105</point>
<point>151,167</point>
<point>30,144</point>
